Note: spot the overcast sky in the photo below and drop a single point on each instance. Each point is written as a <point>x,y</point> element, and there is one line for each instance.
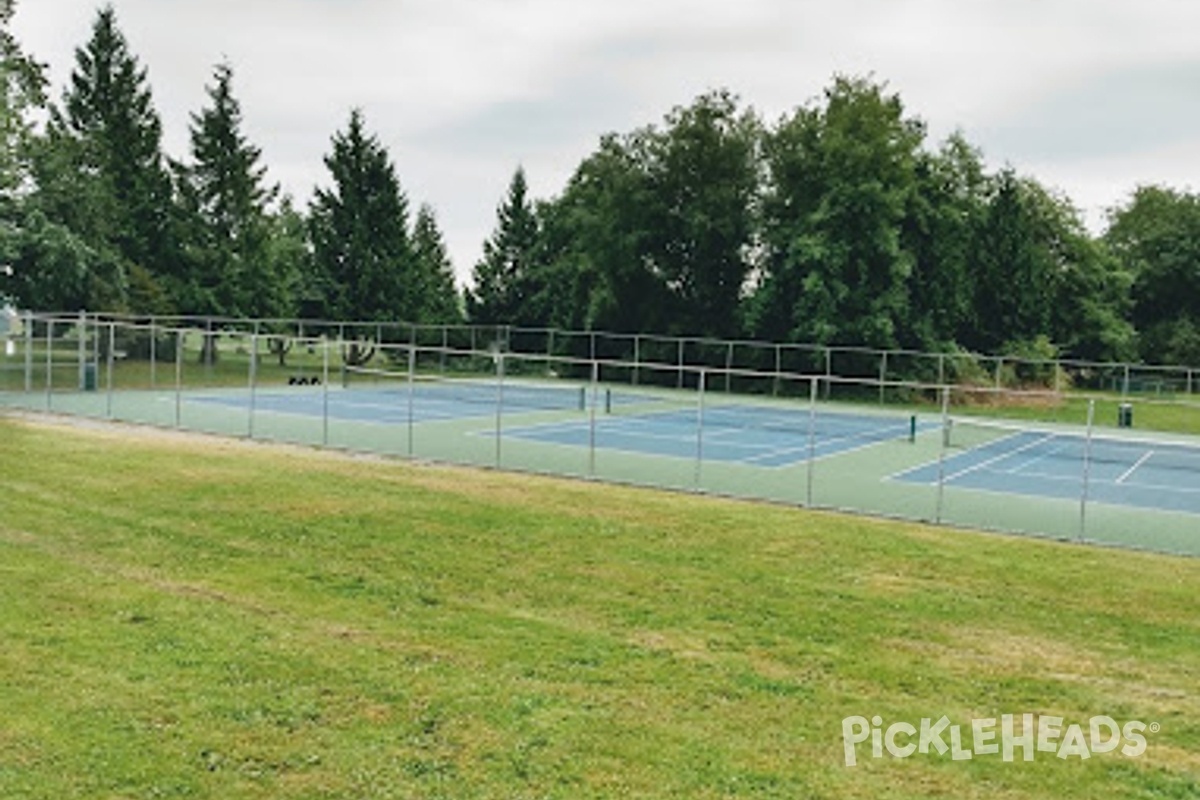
<point>1092,97</point>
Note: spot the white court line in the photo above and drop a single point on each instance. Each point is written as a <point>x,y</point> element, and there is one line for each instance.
<point>996,459</point>
<point>1127,473</point>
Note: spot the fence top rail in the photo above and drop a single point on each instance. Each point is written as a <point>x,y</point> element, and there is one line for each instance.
<point>191,321</point>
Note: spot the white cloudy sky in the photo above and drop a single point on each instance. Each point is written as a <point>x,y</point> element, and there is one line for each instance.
<point>1092,97</point>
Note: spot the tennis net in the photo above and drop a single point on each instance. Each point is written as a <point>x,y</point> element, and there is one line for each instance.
<point>489,390</point>
<point>797,417</point>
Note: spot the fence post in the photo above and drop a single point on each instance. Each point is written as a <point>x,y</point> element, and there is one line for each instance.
<point>680,349</point>
<point>828,371</point>
<point>700,381</point>
<point>412,388</point>
<point>81,328</point>
<point>729,368</point>
<point>49,363</point>
<point>637,357</point>
<point>883,365</point>
<point>1087,469</point>
<point>595,389</point>
<point>941,482</point>
<point>179,334</point>
<point>812,440</point>
<point>324,390</point>
<point>153,355</point>
<point>778,369</point>
<point>28,353</point>
<point>253,379</point>
<point>108,384</point>
<point>499,403</point>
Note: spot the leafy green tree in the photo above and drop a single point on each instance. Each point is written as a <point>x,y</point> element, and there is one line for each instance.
<point>225,199</point>
<point>938,231</point>
<point>596,268</point>
<point>362,257</point>
<point>438,301</point>
<point>22,93</point>
<point>106,180</point>
<point>703,187</point>
<point>1156,237</point>
<point>841,177</point>
<point>501,292</point>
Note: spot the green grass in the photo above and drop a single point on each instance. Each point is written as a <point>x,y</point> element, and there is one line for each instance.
<point>188,617</point>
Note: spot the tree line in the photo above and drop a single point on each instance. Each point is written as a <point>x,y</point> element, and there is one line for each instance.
<point>840,223</point>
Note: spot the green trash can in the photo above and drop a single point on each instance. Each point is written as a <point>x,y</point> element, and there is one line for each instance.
<point>1125,415</point>
<point>89,377</point>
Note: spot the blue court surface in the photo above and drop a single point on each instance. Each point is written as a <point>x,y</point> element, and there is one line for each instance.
<point>742,434</point>
<point>1138,473</point>
<point>761,436</point>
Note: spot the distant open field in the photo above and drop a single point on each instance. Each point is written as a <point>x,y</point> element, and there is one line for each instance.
<point>185,616</point>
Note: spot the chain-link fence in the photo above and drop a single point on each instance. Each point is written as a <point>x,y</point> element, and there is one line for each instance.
<point>1096,453</point>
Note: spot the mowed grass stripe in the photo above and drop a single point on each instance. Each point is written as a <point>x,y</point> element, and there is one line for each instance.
<point>191,617</point>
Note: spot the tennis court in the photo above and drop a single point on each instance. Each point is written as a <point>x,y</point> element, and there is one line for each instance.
<point>797,439</point>
<point>1138,472</point>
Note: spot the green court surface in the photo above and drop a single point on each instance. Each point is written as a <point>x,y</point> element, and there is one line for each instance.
<point>881,461</point>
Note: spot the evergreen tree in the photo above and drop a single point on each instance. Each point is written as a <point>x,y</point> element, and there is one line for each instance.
<point>1014,277</point>
<point>117,191</point>
<point>438,301</point>
<point>225,197</point>
<point>362,257</point>
<point>501,279</point>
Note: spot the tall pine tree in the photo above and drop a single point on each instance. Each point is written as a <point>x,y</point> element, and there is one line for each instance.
<point>362,256</point>
<point>225,201</point>
<point>114,189</point>
<point>434,275</point>
<point>502,291</point>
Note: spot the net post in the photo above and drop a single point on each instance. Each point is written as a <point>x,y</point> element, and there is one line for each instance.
<point>1087,468</point>
<point>942,369</point>
<point>941,482</point>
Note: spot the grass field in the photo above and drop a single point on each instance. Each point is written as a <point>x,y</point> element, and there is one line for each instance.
<point>193,617</point>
